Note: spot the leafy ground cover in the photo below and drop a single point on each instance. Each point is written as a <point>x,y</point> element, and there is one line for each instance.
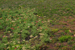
<point>22,27</point>
<point>37,25</point>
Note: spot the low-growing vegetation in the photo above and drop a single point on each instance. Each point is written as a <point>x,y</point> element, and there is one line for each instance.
<point>37,25</point>
<point>65,38</point>
<point>23,28</point>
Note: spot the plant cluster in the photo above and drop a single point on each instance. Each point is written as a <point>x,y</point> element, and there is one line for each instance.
<point>21,28</point>
<point>65,38</point>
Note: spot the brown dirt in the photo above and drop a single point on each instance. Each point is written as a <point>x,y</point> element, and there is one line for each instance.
<point>64,23</point>
<point>1,34</point>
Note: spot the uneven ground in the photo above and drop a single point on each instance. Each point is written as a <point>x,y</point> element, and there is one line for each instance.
<point>62,14</point>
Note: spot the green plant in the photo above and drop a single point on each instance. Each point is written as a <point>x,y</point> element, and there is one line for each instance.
<point>73,48</point>
<point>1,27</point>
<point>2,46</point>
<point>19,25</point>
<point>4,39</point>
<point>64,38</point>
<point>70,42</point>
<point>21,20</point>
<point>69,9</point>
<point>8,29</point>
<point>67,31</point>
<point>54,30</point>
<point>62,33</point>
<point>46,39</point>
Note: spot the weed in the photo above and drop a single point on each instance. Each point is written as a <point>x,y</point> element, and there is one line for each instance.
<point>65,38</point>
